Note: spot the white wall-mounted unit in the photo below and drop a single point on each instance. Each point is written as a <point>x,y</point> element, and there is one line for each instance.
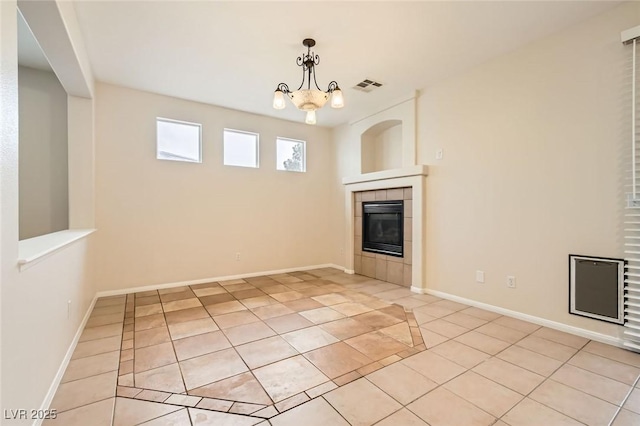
<point>632,216</point>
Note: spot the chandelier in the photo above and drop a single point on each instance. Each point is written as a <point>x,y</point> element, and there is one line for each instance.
<point>308,99</point>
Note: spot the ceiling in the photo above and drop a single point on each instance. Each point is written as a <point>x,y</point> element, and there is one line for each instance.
<point>234,54</point>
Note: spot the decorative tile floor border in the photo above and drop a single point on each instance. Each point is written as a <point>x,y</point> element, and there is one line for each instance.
<point>478,365</point>
<point>329,301</point>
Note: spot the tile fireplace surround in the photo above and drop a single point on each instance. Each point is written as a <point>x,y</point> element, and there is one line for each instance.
<point>388,185</point>
<point>393,269</point>
<point>324,348</point>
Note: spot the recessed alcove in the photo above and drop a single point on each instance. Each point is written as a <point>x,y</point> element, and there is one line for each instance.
<point>381,147</point>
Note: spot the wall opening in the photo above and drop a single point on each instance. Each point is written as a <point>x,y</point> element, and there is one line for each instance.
<point>381,147</point>
<point>43,142</point>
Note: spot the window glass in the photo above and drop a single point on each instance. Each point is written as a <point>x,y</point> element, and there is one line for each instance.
<point>179,141</point>
<point>240,148</point>
<point>291,155</point>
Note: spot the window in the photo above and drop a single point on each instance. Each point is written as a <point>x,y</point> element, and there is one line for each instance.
<point>179,140</point>
<point>240,148</point>
<point>291,155</point>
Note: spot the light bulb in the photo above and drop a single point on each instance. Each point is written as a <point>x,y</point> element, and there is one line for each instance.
<point>337,100</point>
<point>278,99</point>
<point>311,117</point>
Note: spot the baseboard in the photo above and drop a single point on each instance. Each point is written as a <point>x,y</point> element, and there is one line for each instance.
<point>65,362</point>
<point>211,279</point>
<point>588,334</point>
<point>349,271</point>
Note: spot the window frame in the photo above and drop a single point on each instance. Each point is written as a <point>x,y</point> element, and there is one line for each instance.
<point>304,154</point>
<point>183,122</point>
<point>243,132</point>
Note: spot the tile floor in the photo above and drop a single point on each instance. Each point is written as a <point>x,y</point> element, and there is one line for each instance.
<point>325,348</point>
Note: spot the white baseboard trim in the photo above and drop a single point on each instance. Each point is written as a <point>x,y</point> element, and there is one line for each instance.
<point>212,279</point>
<point>65,362</point>
<point>588,334</point>
<point>349,271</point>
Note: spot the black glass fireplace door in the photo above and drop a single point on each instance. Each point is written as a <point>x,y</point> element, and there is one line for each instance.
<point>382,227</point>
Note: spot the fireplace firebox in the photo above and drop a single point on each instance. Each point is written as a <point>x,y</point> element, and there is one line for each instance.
<point>382,227</point>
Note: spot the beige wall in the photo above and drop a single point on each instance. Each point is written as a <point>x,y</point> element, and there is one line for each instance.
<point>533,143</point>
<point>389,149</point>
<point>532,170</point>
<point>382,151</point>
<point>44,187</point>
<point>167,221</point>
<point>36,331</point>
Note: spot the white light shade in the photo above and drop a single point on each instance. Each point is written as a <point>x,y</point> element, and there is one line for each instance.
<point>337,100</point>
<point>309,99</point>
<point>278,100</point>
<point>311,117</point>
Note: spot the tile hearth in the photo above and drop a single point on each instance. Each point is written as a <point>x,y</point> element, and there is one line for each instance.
<point>323,347</point>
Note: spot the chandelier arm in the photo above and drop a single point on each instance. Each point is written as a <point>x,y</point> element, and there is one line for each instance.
<point>284,88</point>
<point>332,86</point>
<point>314,79</point>
<point>303,78</point>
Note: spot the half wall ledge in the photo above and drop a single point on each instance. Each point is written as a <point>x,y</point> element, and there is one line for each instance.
<point>418,170</point>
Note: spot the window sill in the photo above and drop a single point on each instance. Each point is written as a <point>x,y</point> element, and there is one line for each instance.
<point>33,250</point>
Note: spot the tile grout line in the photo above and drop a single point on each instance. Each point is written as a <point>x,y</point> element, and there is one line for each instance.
<point>594,373</point>
<point>164,315</point>
<point>93,375</point>
<point>334,408</point>
<point>549,378</point>
<point>172,339</point>
<point>273,403</point>
<point>495,356</point>
<point>633,386</point>
<point>124,319</point>
<point>439,385</point>
<point>348,289</point>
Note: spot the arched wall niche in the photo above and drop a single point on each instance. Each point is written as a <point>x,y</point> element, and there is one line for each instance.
<point>381,146</point>
<point>386,140</point>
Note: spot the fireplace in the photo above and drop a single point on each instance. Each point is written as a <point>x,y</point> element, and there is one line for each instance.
<point>382,227</point>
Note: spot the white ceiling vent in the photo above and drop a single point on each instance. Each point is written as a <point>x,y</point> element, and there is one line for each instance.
<point>367,85</point>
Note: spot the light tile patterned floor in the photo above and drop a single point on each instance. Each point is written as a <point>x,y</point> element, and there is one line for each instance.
<point>325,348</point>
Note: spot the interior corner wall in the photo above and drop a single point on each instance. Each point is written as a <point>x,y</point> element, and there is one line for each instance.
<point>35,325</point>
<point>381,151</point>
<point>534,164</point>
<point>44,185</point>
<point>347,162</point>
<point>388,149</point>
<point>168,221</point>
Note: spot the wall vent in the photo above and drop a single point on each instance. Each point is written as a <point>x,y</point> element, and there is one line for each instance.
<point>367,85</point>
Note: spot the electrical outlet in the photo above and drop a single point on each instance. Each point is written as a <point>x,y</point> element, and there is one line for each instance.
<point>511,281</point>
<point>480,276</point>
<point>238,257</point>
<point>439,154</point>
